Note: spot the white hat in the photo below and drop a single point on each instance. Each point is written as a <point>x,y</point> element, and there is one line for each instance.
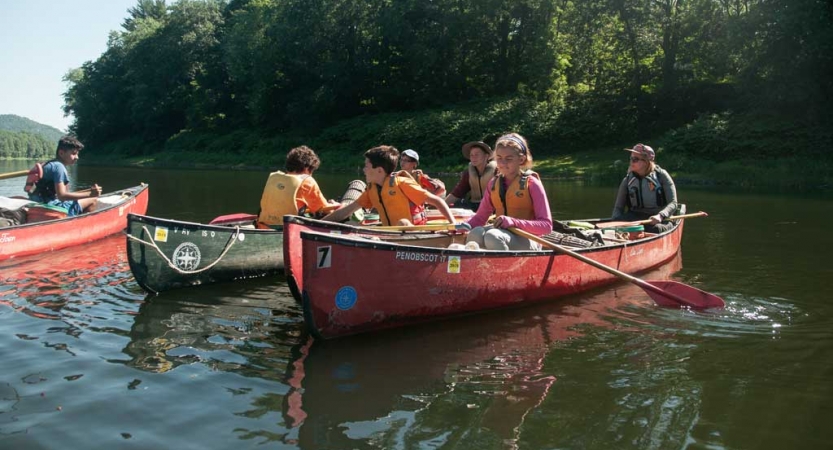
<point>411,154</point>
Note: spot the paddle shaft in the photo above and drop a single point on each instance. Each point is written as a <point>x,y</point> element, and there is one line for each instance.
<point>601,266</point>
<point>647,221</point>
<point>20,173</point>
<point>433,227</point>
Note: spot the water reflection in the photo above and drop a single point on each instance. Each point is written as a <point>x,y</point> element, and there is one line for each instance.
<point>474,380</point>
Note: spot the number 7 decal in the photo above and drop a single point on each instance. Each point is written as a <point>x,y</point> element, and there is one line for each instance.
<point>324,257</point>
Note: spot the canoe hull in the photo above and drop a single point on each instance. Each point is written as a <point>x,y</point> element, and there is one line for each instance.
<point>40,237</point>
<point>353,286</point>
<point>295,225</point>
<point>243,253</point>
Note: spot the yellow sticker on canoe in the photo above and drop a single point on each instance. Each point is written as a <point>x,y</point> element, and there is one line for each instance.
<point>161,234</point>
<point>453,264</point>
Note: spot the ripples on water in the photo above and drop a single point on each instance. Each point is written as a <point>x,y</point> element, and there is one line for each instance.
<point>88,358</point>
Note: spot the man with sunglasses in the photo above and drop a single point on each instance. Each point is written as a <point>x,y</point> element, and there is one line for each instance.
<point>646,192</point>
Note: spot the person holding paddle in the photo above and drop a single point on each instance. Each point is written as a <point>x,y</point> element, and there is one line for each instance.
<point>53,186</point>
<point>516,197</point>
<point>646,193</point>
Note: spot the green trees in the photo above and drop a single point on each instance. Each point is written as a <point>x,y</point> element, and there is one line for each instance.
<point>607,69</point>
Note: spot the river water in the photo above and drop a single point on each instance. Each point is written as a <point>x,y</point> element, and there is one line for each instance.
<point>90,361</point>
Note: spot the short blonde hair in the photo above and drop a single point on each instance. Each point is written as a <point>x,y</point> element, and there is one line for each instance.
<point>517,142</point>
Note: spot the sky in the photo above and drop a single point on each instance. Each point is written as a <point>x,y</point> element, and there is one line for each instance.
<point>40,41</point>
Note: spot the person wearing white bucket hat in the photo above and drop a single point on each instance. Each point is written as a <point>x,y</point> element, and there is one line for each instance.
<point>646,192</point>
<point>408,161</point>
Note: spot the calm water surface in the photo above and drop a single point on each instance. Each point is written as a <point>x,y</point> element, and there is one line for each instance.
<point>90,361</point>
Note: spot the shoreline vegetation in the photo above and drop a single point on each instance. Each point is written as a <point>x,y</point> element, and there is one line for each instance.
<point>727,93</point>
<point>725,149</point>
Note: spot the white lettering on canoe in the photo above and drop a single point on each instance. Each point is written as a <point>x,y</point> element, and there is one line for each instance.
<point>419,257</point>
<point>636,252</point>
<point>6,238</point>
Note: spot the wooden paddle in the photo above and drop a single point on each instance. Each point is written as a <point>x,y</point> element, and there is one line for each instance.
<point>20,173</point>
<point>647,221</point>
<point>665,293</point>
<point>432,227</point>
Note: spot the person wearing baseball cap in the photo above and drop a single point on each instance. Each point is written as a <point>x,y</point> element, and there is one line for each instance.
<point>408,161</point>
<point>646,192</point>
<point>470,189</point>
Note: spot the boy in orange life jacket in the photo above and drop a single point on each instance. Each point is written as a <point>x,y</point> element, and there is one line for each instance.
<point>398,199</point>
<point>294,192</point>
<point>53,187</point>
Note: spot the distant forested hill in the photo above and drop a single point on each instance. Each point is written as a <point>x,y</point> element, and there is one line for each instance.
<point>24,138</point>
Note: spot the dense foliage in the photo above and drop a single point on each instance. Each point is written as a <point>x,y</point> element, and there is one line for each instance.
<point>24,138</point>
<point>578,74</point>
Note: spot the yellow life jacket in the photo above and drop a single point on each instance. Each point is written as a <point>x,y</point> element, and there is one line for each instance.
<point>278,197</point>
<point>392,203</point>
<point>478,182</point>
<point>514,200</point>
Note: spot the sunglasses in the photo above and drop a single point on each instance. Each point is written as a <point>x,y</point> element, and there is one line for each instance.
<point>633,159</point>
<point>406,160</point>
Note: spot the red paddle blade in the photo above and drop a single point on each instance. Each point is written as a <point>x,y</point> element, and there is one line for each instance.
<point>675,294</point>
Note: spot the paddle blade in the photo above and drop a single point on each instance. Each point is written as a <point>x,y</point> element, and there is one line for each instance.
<point>677,294</point>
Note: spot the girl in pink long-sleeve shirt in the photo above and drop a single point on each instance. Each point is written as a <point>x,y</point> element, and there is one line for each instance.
<point>517,197</point>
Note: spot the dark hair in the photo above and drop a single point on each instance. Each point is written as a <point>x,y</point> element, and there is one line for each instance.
<point>68,142</point>
<point>300,158</point>
<point>384,156</point>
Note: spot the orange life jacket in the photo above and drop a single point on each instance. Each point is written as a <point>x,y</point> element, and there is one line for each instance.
<point>514,200</point>
<point>392,203</point>
<point>278,197</point>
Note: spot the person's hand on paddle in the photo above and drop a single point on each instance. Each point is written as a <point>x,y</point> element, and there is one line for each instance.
<point>655,219</point>
<point>95,190</point>
<point>504,222</point>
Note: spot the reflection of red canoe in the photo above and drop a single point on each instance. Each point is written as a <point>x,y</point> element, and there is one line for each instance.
<point>110,218</point>
<point>477,376</point>
<point>355,285</point>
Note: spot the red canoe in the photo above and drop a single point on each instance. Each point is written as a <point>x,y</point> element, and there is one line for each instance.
<point>352,285</point>
<point>110,218</point>
<point>294,225</point>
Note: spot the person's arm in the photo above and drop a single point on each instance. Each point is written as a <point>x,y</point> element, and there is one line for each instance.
<point>670,196</point>
<point>311,195</point>
<point>460,190</point>
<point>62,192</point>
<point>342,213</point>
<point>621,197</point>
<point>441,205</point>
<point>542,224</point>
<point>486,209</point>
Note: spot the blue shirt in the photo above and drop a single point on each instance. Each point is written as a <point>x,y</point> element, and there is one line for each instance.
<point>53,172</point>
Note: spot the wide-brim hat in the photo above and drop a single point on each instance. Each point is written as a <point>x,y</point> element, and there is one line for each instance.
<point>484,146</point>
<point>644,150</point>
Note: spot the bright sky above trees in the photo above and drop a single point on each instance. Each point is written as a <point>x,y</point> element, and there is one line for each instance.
<point>40,40</point>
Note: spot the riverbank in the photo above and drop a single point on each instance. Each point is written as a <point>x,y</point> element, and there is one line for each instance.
<point>750,149</point>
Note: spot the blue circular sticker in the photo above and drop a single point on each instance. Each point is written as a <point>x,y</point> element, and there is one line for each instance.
<point>346,298</point>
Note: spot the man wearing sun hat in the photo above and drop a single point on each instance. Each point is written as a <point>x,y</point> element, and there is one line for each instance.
<point>408,161</point>
<point>472,185</point>
<point>646,192</point>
